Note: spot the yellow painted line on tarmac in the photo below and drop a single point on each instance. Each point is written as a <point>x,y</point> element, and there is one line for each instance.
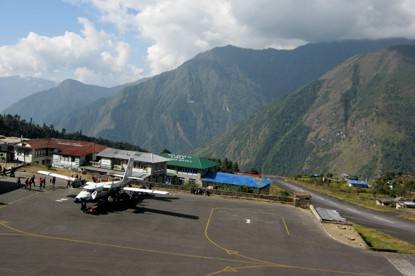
<point>12,234</point>
<point>4,224</point>
<point>256,263</point>
<point>285,224</point>
<point>237,269</point>
<point>230,252</point>
<point>253,263</point>
<point>14,201</point>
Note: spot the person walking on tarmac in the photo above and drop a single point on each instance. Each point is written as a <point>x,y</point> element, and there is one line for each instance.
<point>12,171</point>
<point>18,183</point>
<point>32,180</point>
<point>53,181</point>
<point>83,206</point>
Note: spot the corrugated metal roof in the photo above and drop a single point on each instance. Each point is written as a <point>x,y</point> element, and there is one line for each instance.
<point>358,183</point>
<point>238,180</point>
<point>127,154</point>
<point>329,215</point>
<point>64,146</point>
<point>186,161</point>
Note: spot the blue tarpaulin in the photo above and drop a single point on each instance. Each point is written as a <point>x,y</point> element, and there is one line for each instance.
<point>235,179</point>
<point>357,183</point>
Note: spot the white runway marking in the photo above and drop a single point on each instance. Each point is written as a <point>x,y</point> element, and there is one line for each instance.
<point>353,210</point>
<point>248,221</point>
<point>61,200</point>
<point>405,267</point>
<point>383,219</point>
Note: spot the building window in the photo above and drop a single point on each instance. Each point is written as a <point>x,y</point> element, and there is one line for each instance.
<point>187,171</point>
<point>40,152</point>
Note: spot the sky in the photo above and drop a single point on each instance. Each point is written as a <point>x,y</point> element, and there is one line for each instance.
<point>112,42</point>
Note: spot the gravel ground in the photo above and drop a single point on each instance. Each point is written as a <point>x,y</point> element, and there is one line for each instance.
<point>345,233</point>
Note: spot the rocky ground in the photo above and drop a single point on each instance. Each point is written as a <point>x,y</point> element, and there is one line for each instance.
<point>345,233</point>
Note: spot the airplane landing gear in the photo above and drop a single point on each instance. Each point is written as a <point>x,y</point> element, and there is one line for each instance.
<point>124,197</point>
<point>110,199</point>
<point>118,197</point>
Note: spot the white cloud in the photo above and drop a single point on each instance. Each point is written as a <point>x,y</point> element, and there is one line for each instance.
<point>92,57</point>
<point>180,29</point>
<point>173,31</point>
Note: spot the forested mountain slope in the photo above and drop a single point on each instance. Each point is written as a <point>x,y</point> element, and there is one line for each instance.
<point>357,119</point>
<point>185,108</point>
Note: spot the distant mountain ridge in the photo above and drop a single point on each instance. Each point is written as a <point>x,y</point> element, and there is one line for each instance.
<point>358,119</point>
<point>185,108</point>
<point>14,88</point>
<point>55,104</point>
<point>227,91</point>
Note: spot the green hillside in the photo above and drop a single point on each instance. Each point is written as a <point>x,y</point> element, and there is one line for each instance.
<point>185,108</point>
<point>357,119</point>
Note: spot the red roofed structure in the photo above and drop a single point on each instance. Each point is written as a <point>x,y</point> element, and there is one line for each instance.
<point>57,152</point>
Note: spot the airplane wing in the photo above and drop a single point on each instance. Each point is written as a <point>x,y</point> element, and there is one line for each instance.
<point>141,176</point>
<point>147,191</point>
<point>108,185</point>
<point>57,175</point>
<point>116,175</point>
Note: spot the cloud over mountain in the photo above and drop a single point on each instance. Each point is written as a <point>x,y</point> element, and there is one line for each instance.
<point>122,41</point>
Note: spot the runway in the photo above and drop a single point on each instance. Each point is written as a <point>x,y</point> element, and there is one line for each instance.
<point>388,222</point>
<point>44,232</point>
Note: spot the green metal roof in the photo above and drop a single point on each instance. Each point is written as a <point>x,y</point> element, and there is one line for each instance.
<point>186,161</point>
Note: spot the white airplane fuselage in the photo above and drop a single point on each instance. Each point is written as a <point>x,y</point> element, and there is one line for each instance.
<point>107,190</point>
<point>94,191</point>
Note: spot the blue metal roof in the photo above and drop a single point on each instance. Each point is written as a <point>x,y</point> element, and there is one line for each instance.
<point>234,179</point>
<point>358,183</point>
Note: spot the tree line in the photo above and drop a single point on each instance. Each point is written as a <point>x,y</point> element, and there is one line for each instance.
<point>15,126</point>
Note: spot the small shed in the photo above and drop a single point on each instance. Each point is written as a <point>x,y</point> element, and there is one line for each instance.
<point>386,202</point>
<point>405,204</point>
<point>358,183</point>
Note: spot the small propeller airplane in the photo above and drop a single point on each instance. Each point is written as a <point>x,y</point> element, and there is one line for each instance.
<point>110,190</point>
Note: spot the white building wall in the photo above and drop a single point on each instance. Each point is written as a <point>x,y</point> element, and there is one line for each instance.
<point>67,162</point>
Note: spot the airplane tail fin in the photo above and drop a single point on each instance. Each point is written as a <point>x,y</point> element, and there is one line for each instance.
<point>128,170</point>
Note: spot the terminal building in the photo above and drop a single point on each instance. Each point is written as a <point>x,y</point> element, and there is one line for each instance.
<point>183,169</point>
<point>59,153</point>
<point>148,167</point>
<point>7,145</point>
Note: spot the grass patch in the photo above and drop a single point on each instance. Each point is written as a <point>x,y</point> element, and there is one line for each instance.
<point>379,240</point>
<point>339,189</point>
<point>274,190</point>
<point>362,197</point>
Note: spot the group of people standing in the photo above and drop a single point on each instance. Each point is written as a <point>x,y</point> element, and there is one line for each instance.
<point>41,182</point>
